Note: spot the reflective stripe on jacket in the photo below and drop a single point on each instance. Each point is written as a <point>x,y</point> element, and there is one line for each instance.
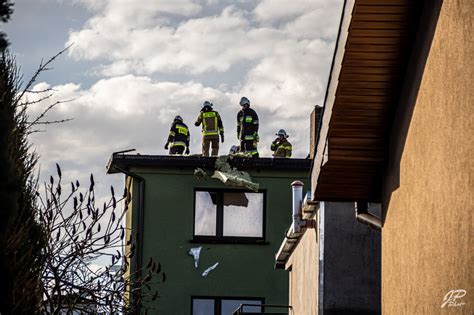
<point>179,134</point>
<point>247,124</point>
<point>211,124</point>
<point>282,149</point>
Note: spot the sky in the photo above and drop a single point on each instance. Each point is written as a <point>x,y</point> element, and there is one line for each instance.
<point>134,65</point>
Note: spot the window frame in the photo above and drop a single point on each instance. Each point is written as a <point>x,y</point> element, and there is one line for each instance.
<point>218,301</point>
<point>219,237</point>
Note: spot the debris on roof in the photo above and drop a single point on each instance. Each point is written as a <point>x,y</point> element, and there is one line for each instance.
<point>231,176</point>
<point>200,173</point>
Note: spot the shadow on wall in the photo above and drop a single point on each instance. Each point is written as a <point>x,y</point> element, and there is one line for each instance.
<point>408,97</point>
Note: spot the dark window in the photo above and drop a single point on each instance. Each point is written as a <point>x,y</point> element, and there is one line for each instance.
<point>229,215</point>
<point>224,306</point>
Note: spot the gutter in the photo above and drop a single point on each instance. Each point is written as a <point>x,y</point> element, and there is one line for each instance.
<point>364,215</point>
<point>303,212</point>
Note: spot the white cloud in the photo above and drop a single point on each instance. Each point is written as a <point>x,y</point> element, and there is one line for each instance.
<point>274,10</point>
<point>197,45</point>
<point>321,22</point>
<point>146,41</point>
<point>290,81</point>
<point>124,27</point>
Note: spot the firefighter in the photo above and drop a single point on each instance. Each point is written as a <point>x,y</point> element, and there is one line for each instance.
<point>247,128</point>
<point>178,139</point>
<point>281,147</point>
<point>211,129</point>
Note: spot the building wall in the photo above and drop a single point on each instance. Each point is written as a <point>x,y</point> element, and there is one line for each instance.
<point>303,267</point>
<point>427,238</point>
<point>351,260</point>
<point>243,270</point>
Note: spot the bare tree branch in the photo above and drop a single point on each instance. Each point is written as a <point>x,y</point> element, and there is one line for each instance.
<point>41,68</point>
<point>79,234</point>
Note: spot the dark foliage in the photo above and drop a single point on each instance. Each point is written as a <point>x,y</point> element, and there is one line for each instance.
<point>6,11</point>
<point>19,289</point>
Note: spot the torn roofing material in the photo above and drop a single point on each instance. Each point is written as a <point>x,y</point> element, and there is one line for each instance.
<point>231,176</point>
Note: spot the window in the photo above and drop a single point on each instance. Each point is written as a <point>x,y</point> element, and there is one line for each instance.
<point>224,306</point>
<point>226,215</point>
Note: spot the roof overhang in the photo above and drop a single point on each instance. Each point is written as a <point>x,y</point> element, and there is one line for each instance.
<point>372,51</point>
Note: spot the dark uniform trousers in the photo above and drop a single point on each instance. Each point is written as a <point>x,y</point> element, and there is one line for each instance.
<point>249,147</point>
<point>177,149</point>
<point>213,143</point>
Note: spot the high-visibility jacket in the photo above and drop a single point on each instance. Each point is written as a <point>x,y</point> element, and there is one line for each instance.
<point>247,124</point>
<point>282,148</point>
<point>211,124</point>
<point>179,134</point>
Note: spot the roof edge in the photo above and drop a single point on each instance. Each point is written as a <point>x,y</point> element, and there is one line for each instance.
<point>124,161</point>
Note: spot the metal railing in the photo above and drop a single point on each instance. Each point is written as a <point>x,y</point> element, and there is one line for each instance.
<point>263,309</point>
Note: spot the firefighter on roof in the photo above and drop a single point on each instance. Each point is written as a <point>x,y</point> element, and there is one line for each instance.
<point>247,128</point>
<point>211,129</point>
<point>281,147</point>
<point>178,139</point>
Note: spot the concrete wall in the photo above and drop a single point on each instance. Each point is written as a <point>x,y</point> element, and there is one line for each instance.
<point>344,277</point>
<point>244,270</point>
<point>351,261</point>
<point>304,269</point>
<point>427,239</point>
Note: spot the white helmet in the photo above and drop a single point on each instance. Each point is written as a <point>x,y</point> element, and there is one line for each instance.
<point>234,149</point>
<point>244,101</point>
<point>283,133</point>
<point>206,103</point>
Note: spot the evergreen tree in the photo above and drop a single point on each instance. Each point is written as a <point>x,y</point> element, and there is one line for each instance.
<point>20,236</point>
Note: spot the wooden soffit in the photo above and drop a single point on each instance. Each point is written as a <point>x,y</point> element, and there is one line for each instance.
<point>372,51</point>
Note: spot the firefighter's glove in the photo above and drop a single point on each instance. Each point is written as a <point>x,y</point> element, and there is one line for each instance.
<point>222,137</point>
<point>187,151</point>
<point>257,138</point>
<point>166,146</point>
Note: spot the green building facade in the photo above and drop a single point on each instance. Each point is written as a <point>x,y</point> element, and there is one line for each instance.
<point>236,230</point>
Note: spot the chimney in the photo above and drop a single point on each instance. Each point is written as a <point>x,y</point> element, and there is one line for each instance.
<point>315,122</point>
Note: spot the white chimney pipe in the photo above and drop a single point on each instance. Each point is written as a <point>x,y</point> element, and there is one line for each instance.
<point>297,203</point>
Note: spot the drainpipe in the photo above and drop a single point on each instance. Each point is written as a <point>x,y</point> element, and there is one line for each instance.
<point>297,188</point>
<point>364,216</point>
<point>298,222</point>
<point>141,216</point>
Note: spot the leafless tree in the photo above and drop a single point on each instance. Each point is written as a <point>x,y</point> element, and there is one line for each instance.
<point>80,237</point>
